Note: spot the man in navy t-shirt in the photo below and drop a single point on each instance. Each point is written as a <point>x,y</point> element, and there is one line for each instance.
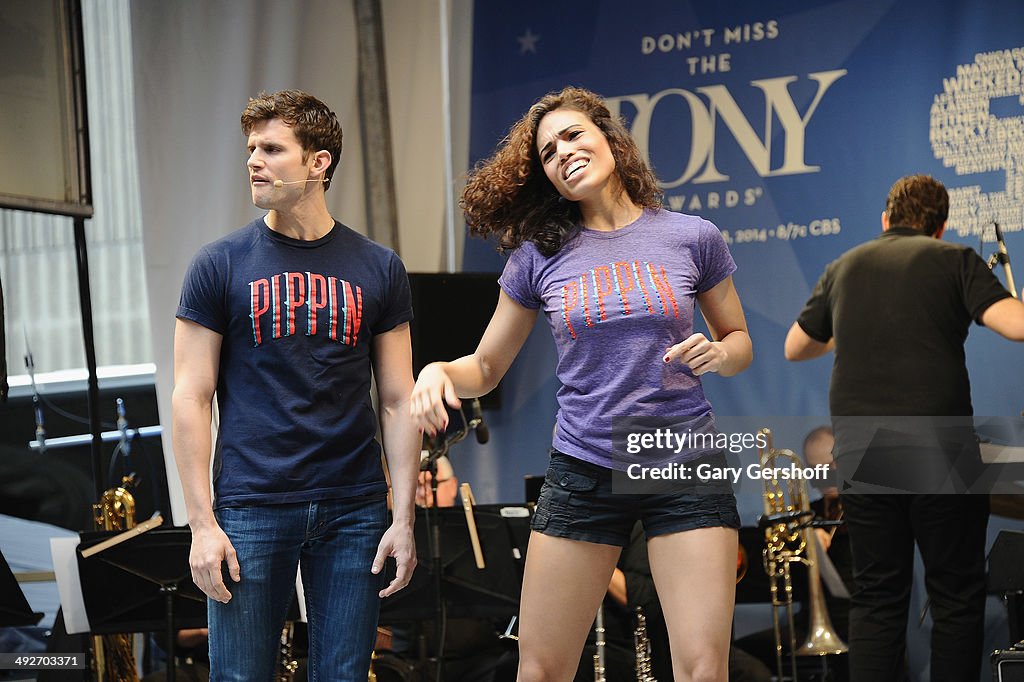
<point>285,320</point>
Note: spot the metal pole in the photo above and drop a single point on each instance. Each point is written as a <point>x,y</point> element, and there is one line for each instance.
<point>93,390</point>
<point>375,118</point>
<point>446,115</point>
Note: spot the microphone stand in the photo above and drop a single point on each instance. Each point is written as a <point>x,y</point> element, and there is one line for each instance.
<point>122,427</point>
<point>438,448</point>
<point>476,422</point>
<point>37,406</point>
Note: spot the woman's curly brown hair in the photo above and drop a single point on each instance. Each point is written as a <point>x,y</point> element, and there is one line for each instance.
<point>509,195</point>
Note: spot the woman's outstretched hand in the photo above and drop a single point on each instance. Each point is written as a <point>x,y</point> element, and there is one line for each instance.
<point>433,389</point>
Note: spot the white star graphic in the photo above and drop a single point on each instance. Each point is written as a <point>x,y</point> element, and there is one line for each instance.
<point>528,42</point>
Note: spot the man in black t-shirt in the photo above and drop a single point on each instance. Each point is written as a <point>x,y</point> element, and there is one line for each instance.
<point>896,311</point>
<point>286,319</point>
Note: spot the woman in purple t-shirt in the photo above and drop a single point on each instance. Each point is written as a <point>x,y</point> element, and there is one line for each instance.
<point>570,196</point>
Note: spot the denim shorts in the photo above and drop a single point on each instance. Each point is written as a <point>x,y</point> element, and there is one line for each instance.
<point>577,502</point>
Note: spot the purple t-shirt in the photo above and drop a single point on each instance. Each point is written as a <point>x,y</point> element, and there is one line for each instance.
<point>615,302</point>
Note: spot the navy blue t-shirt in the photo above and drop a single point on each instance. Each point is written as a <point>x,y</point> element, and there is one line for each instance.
<point>298,320</point>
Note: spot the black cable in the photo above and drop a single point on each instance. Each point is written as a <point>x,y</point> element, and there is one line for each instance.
<point>156,482</point>
<point>109,483</point>
<point>67,415</point>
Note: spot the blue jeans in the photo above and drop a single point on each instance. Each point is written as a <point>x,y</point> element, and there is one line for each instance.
<point>334,542</point>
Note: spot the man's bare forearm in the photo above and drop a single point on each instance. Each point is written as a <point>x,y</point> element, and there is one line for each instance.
<point>402,450</point>
<point>192,451</point>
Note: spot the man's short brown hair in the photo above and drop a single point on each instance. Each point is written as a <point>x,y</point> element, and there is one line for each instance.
<point>918,201</point>
<point>316,126</point>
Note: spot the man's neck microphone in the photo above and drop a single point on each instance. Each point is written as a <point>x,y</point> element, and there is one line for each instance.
<point>282,183</point>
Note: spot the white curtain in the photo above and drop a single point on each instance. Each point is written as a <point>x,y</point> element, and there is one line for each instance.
<point>37,261</point>
<point>195,65</point>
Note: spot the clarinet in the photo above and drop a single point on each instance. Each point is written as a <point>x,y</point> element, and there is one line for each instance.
<point>599,645</point>
<point>642,647</point>
<point>286,663</point>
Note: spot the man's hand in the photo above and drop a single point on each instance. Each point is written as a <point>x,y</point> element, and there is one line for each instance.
<point>824,537</point>
<point>210,549</point>
<point>398,542</point>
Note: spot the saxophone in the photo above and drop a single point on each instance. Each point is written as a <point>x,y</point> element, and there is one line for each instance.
<point>642,648</point>
<point>114,655</point>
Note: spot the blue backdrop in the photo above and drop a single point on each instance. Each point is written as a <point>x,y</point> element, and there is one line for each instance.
<point>785,127</point>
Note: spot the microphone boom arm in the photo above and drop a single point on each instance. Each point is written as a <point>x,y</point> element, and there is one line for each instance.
<point>1002,257</point>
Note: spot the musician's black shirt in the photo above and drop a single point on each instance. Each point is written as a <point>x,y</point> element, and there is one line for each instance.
<point>899,308</point>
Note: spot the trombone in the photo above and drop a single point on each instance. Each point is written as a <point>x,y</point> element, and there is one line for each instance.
<point>789,539</point>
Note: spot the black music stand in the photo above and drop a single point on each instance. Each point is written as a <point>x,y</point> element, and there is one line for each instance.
<point>14,608</point>
<point>460,588</point>
<point>491,592</point>
<point>143,584</point>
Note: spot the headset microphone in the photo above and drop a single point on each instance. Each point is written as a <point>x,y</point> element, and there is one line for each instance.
<point>282,183</point>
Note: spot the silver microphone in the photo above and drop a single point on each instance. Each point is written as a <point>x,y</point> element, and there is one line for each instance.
<point>476,422</point>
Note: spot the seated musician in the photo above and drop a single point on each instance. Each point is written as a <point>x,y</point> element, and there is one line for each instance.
<point>192,655</point>
<point>447,486</point>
